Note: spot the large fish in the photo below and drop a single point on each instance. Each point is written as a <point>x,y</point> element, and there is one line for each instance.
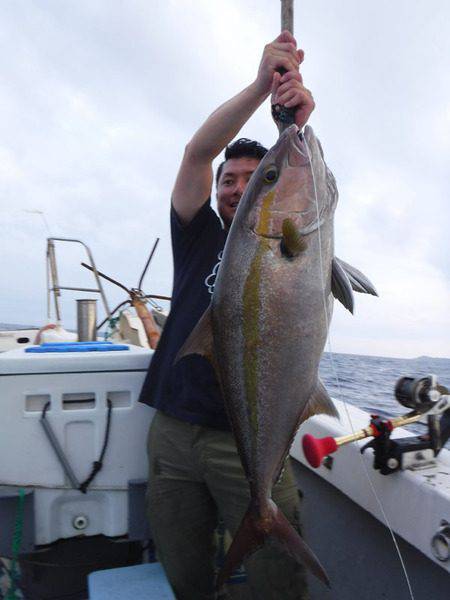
<point>267,324</point>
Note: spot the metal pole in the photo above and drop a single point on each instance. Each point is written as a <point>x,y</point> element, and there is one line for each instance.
<point>93,268</point>
<point>97,279</point>
<point>47,271</point>
<point>147,264</point>
<point>59,453</point>
<point>282,115</point>
<point>87,320</point>
<point>54,275</point>
<point>287,15</point>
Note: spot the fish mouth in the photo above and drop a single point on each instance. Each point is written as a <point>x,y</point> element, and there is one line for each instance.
<point>298,155</point>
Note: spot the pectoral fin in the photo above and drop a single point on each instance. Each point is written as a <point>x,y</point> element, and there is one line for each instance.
<point>359,282</point>
<point>319,403</point>
<point>341,286</point>
<point>292,242</point>
<point>200,340</point>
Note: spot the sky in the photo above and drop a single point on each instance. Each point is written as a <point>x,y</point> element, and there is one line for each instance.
<point>98,99</point>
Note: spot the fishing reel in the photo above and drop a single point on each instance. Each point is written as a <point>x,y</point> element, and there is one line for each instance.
<point>430,403</point>
<point>419,394</point>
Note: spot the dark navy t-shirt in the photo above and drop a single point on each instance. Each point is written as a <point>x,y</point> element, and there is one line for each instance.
<point>188,390</point>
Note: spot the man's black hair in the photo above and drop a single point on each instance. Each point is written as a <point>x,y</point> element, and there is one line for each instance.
<point>242,148</point>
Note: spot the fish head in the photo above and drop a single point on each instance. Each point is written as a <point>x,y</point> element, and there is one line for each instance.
<point>291,183</point>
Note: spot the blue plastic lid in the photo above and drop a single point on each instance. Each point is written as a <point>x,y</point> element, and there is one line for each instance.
<point>96,342</point>
<point>76,347</point>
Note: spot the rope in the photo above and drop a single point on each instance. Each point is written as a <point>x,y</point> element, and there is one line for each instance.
<point>112,325</point>
<point>98,464</point>
<point>13,592</point>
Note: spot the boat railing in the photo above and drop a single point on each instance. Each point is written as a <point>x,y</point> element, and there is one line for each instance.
<point>53,286</point>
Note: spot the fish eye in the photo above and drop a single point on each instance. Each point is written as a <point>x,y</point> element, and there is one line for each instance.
<point>271,174</point>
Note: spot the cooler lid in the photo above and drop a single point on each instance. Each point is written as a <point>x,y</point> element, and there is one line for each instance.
<point>62,358</point>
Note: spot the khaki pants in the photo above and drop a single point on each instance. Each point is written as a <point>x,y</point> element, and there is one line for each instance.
<point>195,478</point>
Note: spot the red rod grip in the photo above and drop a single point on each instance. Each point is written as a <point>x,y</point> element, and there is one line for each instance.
<point>316,449</point>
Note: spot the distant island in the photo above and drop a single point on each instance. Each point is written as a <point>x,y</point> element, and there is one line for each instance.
<point>430,358</point>
<point>421,358</point>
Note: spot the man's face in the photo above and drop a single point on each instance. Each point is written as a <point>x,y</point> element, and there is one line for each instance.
<point>233,180</point>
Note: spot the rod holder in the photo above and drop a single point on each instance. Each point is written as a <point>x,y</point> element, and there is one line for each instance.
<point>87,320</point>
<point>315,449</point>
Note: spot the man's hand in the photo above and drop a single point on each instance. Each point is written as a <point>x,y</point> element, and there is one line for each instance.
<point>194,180</point>
<point>282,53</point>
<point>289,91</point>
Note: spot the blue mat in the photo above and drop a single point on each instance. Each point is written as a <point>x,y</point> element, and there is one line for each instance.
<point>140,582</point>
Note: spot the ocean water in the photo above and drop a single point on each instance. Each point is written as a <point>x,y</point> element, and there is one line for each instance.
<point>368,382</point>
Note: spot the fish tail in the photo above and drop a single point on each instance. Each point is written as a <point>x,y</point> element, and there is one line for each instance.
<point>257,526</point>
<point>295,546</point>
<point>248,538</point>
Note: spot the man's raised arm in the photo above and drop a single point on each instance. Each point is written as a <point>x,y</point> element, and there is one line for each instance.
<point>195,176</point>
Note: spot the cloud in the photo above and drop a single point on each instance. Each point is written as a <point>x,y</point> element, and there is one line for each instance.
<point>98,99</point>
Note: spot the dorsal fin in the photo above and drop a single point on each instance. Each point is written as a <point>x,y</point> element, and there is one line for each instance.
<point>341,286</point>
<point>359,282</point>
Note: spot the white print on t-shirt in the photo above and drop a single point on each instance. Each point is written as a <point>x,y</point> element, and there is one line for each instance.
<point>211,279</point>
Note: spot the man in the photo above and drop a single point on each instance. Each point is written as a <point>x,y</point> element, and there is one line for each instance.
<point>195,475</point>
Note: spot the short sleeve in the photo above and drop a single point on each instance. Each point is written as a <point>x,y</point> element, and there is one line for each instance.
<point>185,238</point>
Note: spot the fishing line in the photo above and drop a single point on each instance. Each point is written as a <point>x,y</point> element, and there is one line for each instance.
<point>41,213</point>
<point>335,373</point>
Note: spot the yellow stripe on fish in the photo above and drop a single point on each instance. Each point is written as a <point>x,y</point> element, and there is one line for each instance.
<point>263,226</point>
<point>252,335</point>
<point>252,311</point>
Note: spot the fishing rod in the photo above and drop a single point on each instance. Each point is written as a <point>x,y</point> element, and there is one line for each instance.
<point>282,115</point>
<point>138,300</point>
<point>429,401</point>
